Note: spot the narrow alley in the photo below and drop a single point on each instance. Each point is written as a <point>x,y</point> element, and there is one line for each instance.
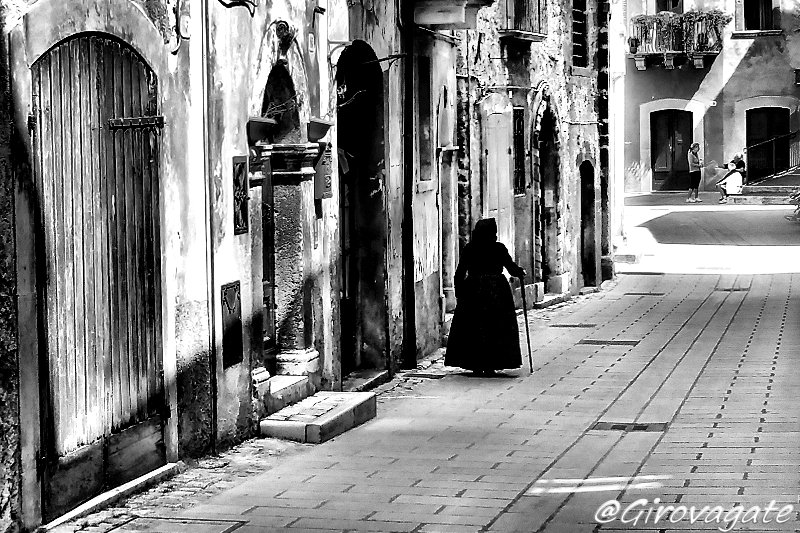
<point>676,388</point>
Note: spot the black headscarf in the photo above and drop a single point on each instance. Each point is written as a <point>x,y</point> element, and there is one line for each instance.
<point>485,233</point>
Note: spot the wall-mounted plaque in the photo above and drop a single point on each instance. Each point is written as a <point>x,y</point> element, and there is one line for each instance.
<point>241,219</point>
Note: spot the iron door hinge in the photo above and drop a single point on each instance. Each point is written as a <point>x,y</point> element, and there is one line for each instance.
<point>166,412</point>
<point>154,122</point>
<point>31,123</point>
<point>41,463</point>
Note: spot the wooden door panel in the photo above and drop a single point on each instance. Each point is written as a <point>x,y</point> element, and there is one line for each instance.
<point>99,278</point>
<point>499,185</point>
<point>135,451</point>
<point>661,137</point>
<point>75,475</point>
<point>670,137</point>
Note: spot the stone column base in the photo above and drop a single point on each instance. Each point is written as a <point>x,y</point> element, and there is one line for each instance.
<point>559,284</point>
<point>300,363</point>
<point>538,291</point>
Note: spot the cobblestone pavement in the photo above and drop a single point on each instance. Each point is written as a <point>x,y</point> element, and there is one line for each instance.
<point>678,389</point>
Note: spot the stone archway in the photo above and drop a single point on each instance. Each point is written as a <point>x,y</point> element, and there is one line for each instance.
<point>281,104</point>
<point>547,190</point>
<point>360,135</point>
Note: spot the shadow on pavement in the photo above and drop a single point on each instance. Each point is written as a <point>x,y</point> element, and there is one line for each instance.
<point>730,228</point>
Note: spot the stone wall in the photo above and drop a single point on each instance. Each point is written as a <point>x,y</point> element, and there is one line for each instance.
<point>9,362</point>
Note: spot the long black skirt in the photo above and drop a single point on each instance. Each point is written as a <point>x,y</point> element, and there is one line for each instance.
<point>484,333</point>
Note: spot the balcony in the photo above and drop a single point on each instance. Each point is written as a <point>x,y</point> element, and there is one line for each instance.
<point>448,14</point>
<point>523,20</point>
<point>694,34</point>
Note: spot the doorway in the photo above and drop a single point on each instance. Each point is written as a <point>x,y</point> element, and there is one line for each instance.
<point>547,213</point>
<point>588,255</point>
<point>96,148</point>
<point>671,136</point>
<point>360,136</point>
<point>280,104</point>
<point>498,185</point>
<point>768,142</point>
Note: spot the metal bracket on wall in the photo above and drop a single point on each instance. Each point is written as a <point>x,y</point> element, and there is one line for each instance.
<point>241,219</point>
<point>251,5</point>
<point>155,122</point>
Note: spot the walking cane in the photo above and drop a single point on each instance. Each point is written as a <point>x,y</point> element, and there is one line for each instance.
<point>527,328</point>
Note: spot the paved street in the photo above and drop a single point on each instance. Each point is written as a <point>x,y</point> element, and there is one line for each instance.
<point>677,388</point>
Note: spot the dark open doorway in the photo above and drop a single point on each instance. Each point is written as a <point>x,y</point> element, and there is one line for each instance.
<point>547,219</point>
<point>363,217</point>
<point>670,137</point>
<point>767,141</point>
<point>587,251</point>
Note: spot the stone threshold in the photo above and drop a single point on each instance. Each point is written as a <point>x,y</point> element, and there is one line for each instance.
<point>320,417</point>
<point>112,496</point>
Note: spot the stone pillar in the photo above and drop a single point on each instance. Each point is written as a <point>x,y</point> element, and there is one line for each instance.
<point>292,168</point>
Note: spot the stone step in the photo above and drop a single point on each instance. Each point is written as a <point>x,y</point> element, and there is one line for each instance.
<point>320,417</point>
<point>627,256</point>
<point>551,299</point>
<point>759,199</point>
<point>363,380</point>
<point>286,390</point>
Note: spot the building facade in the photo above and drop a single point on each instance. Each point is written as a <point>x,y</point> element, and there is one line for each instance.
<point>533,118</point>
<point>723,74</point>
<point>197,196</point>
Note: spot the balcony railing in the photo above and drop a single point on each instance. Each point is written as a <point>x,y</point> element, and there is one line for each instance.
<point>523,19</point>
<point>773,156</point>
<point>695,33</point>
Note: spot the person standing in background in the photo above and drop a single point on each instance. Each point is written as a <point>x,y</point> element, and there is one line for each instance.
<point>695,174</point>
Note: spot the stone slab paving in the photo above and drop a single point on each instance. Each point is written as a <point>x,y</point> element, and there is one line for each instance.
<point>718,368</point>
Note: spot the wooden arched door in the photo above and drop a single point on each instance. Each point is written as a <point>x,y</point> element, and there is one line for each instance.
<point>670,137</point>
<point>96,143</point>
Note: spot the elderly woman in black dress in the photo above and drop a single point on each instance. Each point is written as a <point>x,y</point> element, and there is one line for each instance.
<point>484,336</point>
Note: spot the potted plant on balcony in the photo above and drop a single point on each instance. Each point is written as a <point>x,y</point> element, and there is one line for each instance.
<point>634,43</point>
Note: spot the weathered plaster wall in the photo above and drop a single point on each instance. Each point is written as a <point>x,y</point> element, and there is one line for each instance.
<point>427,199</point>
<point>9,361</point>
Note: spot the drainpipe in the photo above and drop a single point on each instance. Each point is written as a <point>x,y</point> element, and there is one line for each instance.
<point>210,282</point>
<point>409,302</point>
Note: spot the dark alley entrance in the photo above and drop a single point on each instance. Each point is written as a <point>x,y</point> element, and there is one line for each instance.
<point>363,213</point>
<point>587,247</point>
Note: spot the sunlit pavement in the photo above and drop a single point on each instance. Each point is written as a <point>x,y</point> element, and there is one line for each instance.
<point>671,236</point>
<point>665,389</point>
